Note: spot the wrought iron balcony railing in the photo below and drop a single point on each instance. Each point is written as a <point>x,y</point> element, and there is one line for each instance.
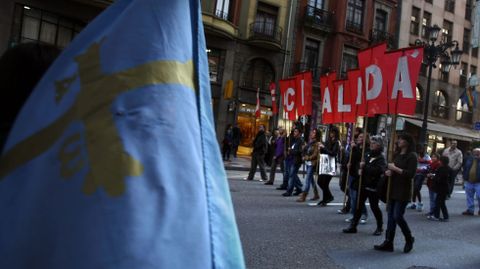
<point>318,17</point>
<point>316,71</point>
<point>379,36</point>
<point>440,111</point>
<point>354,27</point>
<point>465,116</point>
<point>266,31</point>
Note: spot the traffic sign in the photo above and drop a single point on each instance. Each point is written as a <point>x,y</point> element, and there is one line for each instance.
<point>476,126</point>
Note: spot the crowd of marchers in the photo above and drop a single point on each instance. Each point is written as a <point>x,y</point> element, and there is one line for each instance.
<point>364,173</point>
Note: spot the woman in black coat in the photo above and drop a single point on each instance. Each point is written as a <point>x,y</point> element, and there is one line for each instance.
<point>332,148</point>
<point>371,170</point>
<point>401,173</point>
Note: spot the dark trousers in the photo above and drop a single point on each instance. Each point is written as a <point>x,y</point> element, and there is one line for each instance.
<point>373,199</point>
<point>452,182</point>
<point>440,205</point>
<point>257,159</point>
<point>396,210</point>
<point>226,151</point>
<point>323,183</point>
<point>286,172</point>
<point>293,179</point>
<point>273,168</point>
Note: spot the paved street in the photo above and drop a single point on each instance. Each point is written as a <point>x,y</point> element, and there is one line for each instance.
<point>277,232</point>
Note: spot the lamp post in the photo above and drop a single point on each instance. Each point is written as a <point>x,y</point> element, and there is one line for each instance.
<point>432,52</point>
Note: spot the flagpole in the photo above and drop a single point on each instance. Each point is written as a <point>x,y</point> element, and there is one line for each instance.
<point>362,158</point>
<point>348,167</point>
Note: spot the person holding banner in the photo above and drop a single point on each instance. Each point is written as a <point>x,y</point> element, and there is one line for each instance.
<point>311,160</point>
<point>401,172</point>
<point>371,170</point>
<point>331,148</point>
<point>354,177</point>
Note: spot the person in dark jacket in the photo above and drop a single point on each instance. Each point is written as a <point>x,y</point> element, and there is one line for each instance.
<point>258,155</point>
<point>227,143</point>
<point>401,173</point>
<point>331,147</point>
<point>370,171</point>
<point>295,155</point>
<point>278,156</point>
<point>236,137</point>
<point>440,185</point>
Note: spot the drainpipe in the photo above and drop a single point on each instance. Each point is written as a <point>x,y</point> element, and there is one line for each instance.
<point>287,54</point>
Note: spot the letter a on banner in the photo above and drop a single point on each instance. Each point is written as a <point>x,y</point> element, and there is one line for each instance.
<point>304,93</point>
<point>370,61</point>
<point>287,89</point>
<point>328,95</point>
<point>403,68</point>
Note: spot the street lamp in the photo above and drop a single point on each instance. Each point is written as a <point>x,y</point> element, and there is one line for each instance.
<point>432,52</point>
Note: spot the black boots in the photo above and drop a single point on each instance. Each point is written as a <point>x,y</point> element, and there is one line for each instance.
<point>387,245</point>
<point>408,243</point>
<point>378,231</point>
<point>350,230</point>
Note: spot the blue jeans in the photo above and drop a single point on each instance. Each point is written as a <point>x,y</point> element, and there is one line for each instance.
<point>353,198</point>
<point>433,196</point>
<point>309,179</point>
<point>286,172</point>
<point>470,190</point>
<point>293,179</point>
<point>396,210</point>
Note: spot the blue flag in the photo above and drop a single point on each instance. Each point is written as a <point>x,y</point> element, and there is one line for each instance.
<point>113,161</point>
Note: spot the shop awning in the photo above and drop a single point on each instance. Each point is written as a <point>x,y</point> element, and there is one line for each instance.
<point>453,132</point>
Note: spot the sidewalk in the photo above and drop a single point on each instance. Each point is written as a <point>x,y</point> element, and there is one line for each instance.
<point>242,163</point>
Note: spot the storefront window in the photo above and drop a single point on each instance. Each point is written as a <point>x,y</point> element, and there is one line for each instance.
<point>215,64</point>
<point>248,123</point>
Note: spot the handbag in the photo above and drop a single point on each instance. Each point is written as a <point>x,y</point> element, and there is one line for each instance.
<point>327,165</point>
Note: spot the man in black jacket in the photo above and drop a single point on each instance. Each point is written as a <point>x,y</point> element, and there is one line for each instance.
<point>258,154</point>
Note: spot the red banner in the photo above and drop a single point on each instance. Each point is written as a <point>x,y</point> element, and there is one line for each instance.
<point>328,95</point>
<point>356,88</point>
<point>304,93</point>
<point>257,108</point>
<point>375,89</point>
<point>402,70</point>
<point>274,98</point>
<point>345,102</point>
<point>287,89</point>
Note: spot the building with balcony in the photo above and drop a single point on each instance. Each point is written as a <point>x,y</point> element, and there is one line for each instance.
<point>328,35</point>
<point>445,107</point>
<point>247,45</point>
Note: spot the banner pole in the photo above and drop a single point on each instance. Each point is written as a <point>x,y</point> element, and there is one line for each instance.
<point>390,150</point>
<point>348,166</point>
<point>362,158</point>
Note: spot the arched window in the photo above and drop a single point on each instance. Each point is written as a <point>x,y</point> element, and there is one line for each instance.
<point>419,94</point>
<point>259,74</point>
<point>440,105</point>
<point>464,112</point>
